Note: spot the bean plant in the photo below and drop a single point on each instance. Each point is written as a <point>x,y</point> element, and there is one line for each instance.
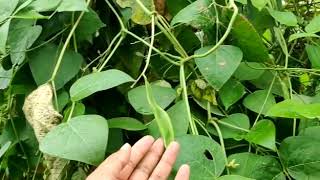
<point>234,82</point>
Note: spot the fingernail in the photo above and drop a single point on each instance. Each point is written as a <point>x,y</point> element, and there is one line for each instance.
<point>126,147</point>
<point>174,144</point>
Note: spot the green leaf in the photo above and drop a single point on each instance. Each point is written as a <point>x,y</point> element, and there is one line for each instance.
<point>294,109</point>
<point>199,14</point>
<point>72,5</point>
<point>259,4</point>
<point>43,60</point>
<point>247,71</point>
<point>263,133</point>
<point>259,101</point>
<point>138,16</point>
<point>98,81</point>
<point>82,138</point>
<point>138,99</point>
<point>237,120</point>
<point>301,157</point>
<point>246,37</point>
<point>79,109</point>
<point>63,99</point>
<point>233,177</point>
<point>44,5</point>
<point>193,149</point>
<point>301,35</point>
<point>30,14</point>
<point>161,116</point>
<point>286,18</point>
<point>313,54</point>
<point>126,123</point>
<point>5,148</point>
<point>5,77</point>
<point>179,120</point>
<point>213,108</point>
<point>174,7</point>
<point>265,81</point>
<point>7,8</point>
<point>256,166</point>
<point>218,66</point>
<point>312,132</point>
<point>90,24</point>
<point>231,92</point>
<point>20,40</point>
<point>4,31</point>
<point>242,1</point>
<point>314,25</point>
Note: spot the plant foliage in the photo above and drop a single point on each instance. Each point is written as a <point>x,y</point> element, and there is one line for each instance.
<point>235,82</point>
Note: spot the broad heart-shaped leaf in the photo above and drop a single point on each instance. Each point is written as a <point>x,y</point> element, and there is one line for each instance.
<point>192,152</point>
<point>286,18</point>
<point>246,37</point>
<point>238,120</point>
<point>138,16</point>
<point>313,54</point>
<point>263,133</point>
<point>7,8</point>
<point>72,5</point>
<point>97,81</point>
<point>233,177</point>
<point>179,120</point>
<point>20,40</point>
<point>256,166</point>
<point>294,109</point>
<point>138,99</point>
<point>43,60</point>
<point>199,14</point>
<point>126,123</point>
<point>44,5</point>
<point>231,92</point>
<point>218,66</point>
<point>4,31</point>
<point>314,25</point>
<point>301,157</point>
<point>82,138</point>
<point>90,23</point>
<point>259,101</point>
<point>247,71</point>
<point>259,4</point>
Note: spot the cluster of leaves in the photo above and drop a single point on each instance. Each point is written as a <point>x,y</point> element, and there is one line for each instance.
<point>234,82</point>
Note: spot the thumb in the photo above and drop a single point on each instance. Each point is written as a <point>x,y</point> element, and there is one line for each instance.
<point>112,166</point>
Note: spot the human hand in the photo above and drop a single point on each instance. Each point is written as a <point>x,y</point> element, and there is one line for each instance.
<point>147,159</point>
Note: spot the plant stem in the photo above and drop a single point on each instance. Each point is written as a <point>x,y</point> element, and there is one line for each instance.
<point>221,142</point>
<point>153,48</point>
<point>149,52</point>
<point>232,126</point>
<point>104,54</point>
<point>183,85</point>
<point>117,15</point>
<point>71,111</point>
<point>223,38</point>
<point>265,100</point>
<point>66,43</point>
<point>111,53</point>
